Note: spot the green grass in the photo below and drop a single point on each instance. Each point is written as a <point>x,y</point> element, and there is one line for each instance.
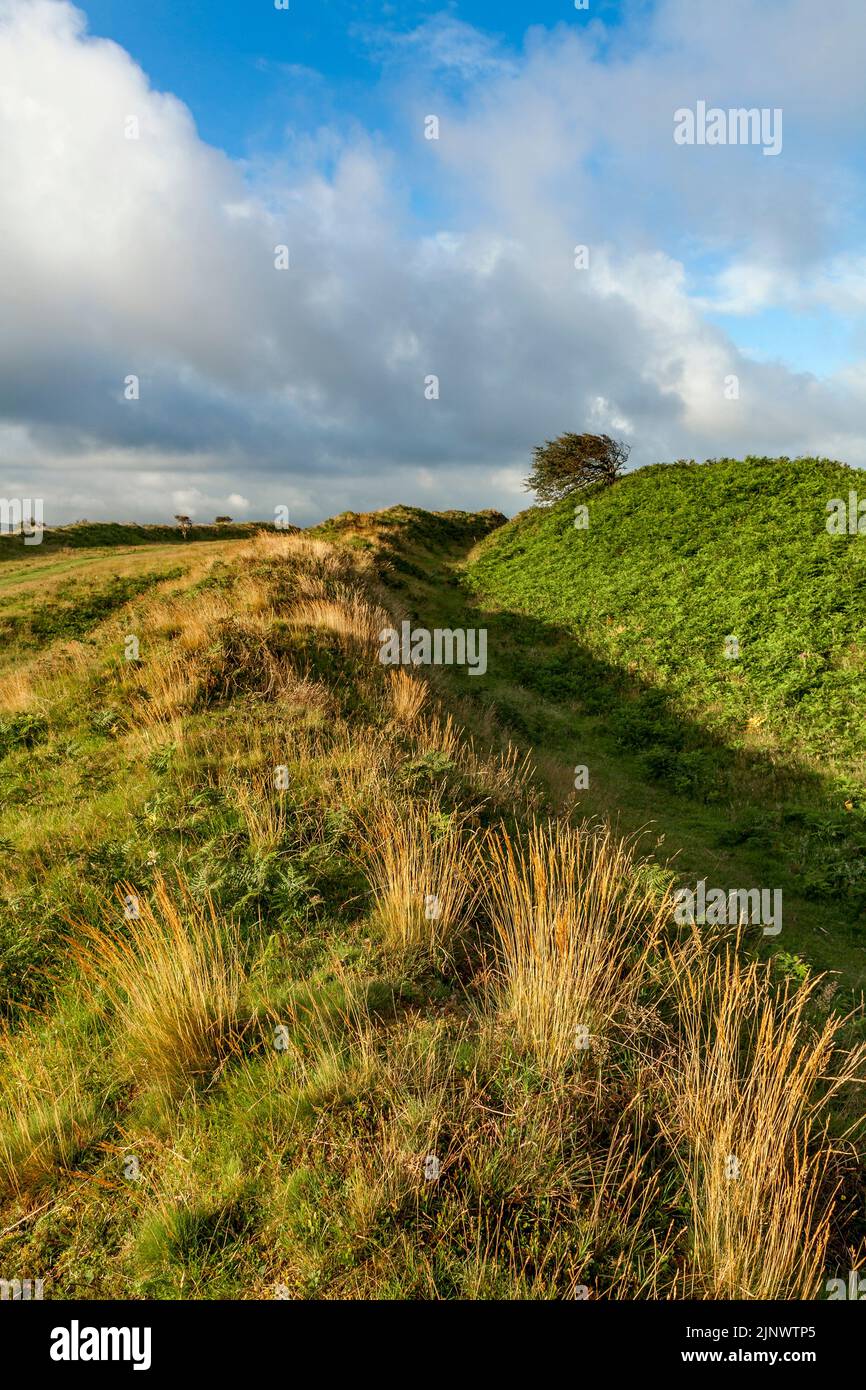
<point>94,534</point>
<point>609,650</point>
<point>300,1169</point>
<point>73,609</point>
<point>676,558</point>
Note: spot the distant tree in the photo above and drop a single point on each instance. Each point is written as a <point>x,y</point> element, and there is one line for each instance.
<point>222,518</point>
<point>573,462</point>
<point>184,522</point>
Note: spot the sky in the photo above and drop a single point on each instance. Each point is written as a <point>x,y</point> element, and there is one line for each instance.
<point>428,320</point>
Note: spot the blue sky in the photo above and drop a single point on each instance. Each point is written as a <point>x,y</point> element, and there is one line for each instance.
<point>412,258</point>
<point>250,73</point>
<point>224,57</point>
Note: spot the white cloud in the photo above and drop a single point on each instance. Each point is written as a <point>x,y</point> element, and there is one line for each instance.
<point>441,43</point>
<point>838,285</point>
<point>305,387</point>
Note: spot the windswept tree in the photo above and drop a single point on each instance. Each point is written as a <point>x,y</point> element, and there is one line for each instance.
<point>573,462</point>
<point>221,519</point>
<point>184,522</point>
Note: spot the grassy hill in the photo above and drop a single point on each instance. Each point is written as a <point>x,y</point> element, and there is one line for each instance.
<point>624,625</point>
<point>316,986</point>
<point>677,557</point>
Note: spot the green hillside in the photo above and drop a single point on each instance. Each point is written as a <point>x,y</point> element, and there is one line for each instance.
<point>626,621</point>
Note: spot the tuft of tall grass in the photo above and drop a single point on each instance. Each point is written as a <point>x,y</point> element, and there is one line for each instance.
<point>748,1096</point>
<point>308,567</point>
<point>420,864</point>
<point>504,777</point>
<point>46,1117</point>
<point>407,696</point>
<point>173,976</point>
<point>16,691</point>
<point>170,686</point>
<point>573,934</point>
<point>345,611</point>
<point>264,812</point>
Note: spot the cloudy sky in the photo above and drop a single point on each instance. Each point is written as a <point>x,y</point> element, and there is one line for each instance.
<point>153,154</point>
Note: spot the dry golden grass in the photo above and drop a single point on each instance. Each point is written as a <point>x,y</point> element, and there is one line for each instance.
<point>294,548</point>
<point>346,612</point>
<point>424,1113</point>
<point>315,566</point>
<point>329,585</point>
<point>253,597</point>
<point>197,627</point>
<point>573,932</point>
<point>44,678</point>
<point>181,637</point>
<point>269,545</point>
<point>264,811</point>
<point>170,684</point>
<point>623,1199</point>
<point>421,869</point>
<point>162,619</point>
<point>45,1116</point>
<point>16,691</point>
<point>176,639</point>
<point>304,697</point>
<point>422,1110</point>
<point>173,976</point>
<point>332,762</point>
<point>147,739</point>
<point>439,735</point>
<point>330,1048</point>
<point>190,625</point>
<point>356,767</point>
<point>505,777</point>
<point>407,695</point>
<point>747,1102</point>
<point>495,1155</point>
